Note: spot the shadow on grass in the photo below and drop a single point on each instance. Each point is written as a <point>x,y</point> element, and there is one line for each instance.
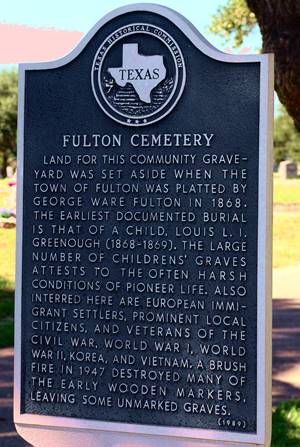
<point>6,286</point>
<point>7,333</point>
<point>7,306</point>
<point>7,295</point>
<point>286,425</point>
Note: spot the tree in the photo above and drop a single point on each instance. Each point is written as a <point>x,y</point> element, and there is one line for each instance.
<point>234,20</point>
<point>286,138</point>
<point>8,117</point>
<point>279,22</point>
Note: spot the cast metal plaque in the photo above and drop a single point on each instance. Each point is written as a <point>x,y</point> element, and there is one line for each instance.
<point>143,256</point>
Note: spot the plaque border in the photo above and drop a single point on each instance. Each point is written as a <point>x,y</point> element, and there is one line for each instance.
<point>34,427</point>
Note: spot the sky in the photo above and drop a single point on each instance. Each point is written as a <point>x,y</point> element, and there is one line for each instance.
<point>82,15</point>
<point>78,15</point>
<point>43,30</point>
<point>36,30</point>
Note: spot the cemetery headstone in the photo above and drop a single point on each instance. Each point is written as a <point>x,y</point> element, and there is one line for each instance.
<point>288,169</point>
<point>144,250</point>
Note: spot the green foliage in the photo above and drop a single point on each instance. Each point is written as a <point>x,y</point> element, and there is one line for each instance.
<point>286,138</point>
<point>286,425</point>
<point>233,21</point>
<point>8,116</point>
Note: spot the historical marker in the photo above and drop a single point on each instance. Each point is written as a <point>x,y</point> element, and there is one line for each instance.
<point>143,277</point>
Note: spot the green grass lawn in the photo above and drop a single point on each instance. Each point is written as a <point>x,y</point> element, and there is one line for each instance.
<point>286,191</point>
<point>6,192</point>
<point>7,269</point>
<point>7,250</point>
<point>7,285</point>
<point>286,239</point>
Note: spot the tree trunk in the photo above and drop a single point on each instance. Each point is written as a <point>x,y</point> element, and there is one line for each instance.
<point>4,164</point>
<point>279,22</point>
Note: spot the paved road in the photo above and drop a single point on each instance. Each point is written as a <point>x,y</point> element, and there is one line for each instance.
<point>286,350</point>
<point>8,435</point>
<point>286,367</point>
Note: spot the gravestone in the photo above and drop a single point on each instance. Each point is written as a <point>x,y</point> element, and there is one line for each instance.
<point>144,250</point>
<point>288,169</point>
